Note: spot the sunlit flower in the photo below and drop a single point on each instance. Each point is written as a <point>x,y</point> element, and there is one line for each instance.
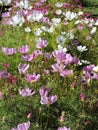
<point>26,92</point>
<point>23,126</point>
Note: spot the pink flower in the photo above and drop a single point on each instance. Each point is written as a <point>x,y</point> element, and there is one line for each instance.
<point>23,68</point>
<point>23,49</point>
<point>23,126</point>
<point>0,95</point>
<point>63,128</point>
<point>58,67</point>
<point>45,99</point>
<point>26,92</point>
<point>82,96</point>
<point>9,51</point>
<point>32,78</point>
<point>65,73</point>
<point>42,43</point>
<point>48,100</point>
<point>44,91</point>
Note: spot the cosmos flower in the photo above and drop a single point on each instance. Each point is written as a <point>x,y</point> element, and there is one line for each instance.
<point>48,100</point>
<point>26,92</point>
<point>32,78</point>
<point>58,67</point>
<point>63,128</point>
<point>23,68</point>
<point>44,91</point>
<point>41,43</point>
<point>9,51</point>
<point>45,99</point>
<point>27,29</point>
<point>24,49</point>
<point>17,20</point>
<point>81,48</point>
<point>65,73</point>
<point>23,126</point>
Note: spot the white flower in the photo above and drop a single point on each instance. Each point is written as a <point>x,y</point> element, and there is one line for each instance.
<point>24,4</point>
<point>96,23</point>
<point>35,16</point>
<point>83,62</point>
<point>80,13</point>
<point>70,35</point>
<point>5,2</point>
<point>60,39</point>
<point>58,12</point>
<point>93,30</point>
<point>81,48</point>
<point>60,48</point>
<point>56,21</point>
<point>59,4</point>
<point>70,15</point>
<point>27,29</point>
<point>46,29</point>
<point>95,69</point>
<point>37,32</point>
<point>78,21</point>
<point>17,20</point>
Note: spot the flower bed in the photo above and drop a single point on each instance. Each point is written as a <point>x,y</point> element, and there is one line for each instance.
<point>48,67</point>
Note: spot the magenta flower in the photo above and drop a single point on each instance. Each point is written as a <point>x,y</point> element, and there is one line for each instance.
<point>1,95</point>
<point>26,92</point>
<point>44,91</point>
<point>4,74</point>
<point>23,49</point>
<point>63,128</point>
<point>58,67</point>
<point>32,78</point>
<point>48,100</point>
<point>23,68</point>
<point>82,96</point>
<point>65,73</point>
<point>9,51</point>
<point>23,126</point>
<point>42,43</point>
<point>6,65</point>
